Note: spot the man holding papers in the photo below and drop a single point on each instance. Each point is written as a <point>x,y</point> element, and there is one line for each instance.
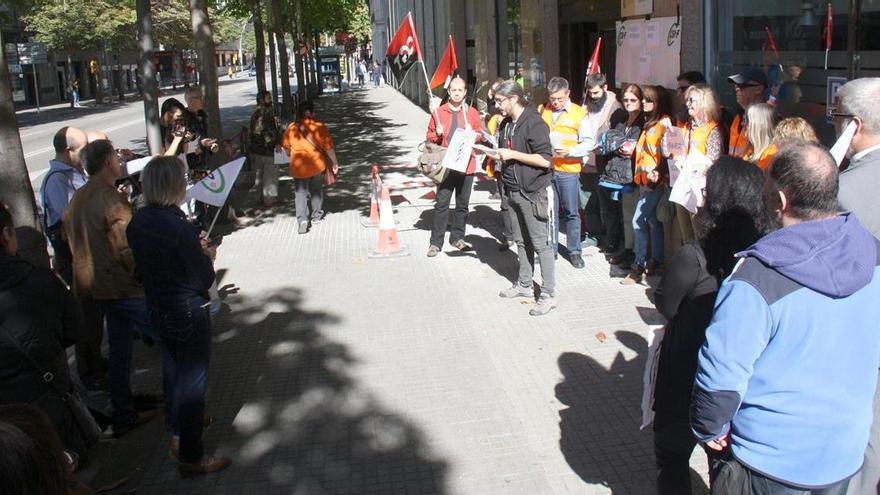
<point>445,121</point>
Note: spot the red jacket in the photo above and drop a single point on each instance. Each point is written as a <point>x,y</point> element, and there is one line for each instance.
<point>445,117</point>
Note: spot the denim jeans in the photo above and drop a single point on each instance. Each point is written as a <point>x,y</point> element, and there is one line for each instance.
<point>532,236</point>
<point>567,188</point>
<point>461,186</point>
<point>122,316</point>
<point>645,223</point>
<point>309,193</point>
<point>589,202</point>
<point>765,486</point>
<point>186,342</point>
<point>612,213</point>
<point>507,230</point>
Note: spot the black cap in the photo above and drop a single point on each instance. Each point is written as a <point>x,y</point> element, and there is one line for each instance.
<point>749,74</point>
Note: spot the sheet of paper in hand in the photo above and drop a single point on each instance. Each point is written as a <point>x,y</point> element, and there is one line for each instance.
<point>282,157</point>
<point>688,189</point>
<point>489,139</point>
<point>673,140</point>
<point>458,154</point>
<point>490,152</point>
<point>192,147</point>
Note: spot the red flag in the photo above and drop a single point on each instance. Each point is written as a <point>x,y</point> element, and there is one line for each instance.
<point>772,43</point>
<point>593,64</point>
<point>829,28</point>
<point>447,66</point>
<point>403,50</point>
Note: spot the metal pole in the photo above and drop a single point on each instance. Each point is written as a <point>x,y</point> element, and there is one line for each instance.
<point>36,83</point>
<point>709,40</point>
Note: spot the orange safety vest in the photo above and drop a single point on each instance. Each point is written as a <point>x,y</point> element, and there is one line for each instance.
<point>698,137</point>
<point>766,157</point>
<point>739,142</point>
<point>566,126</point>
<point>648,155</point>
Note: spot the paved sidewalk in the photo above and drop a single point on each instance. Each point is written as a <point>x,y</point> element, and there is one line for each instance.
<point>333,373</point>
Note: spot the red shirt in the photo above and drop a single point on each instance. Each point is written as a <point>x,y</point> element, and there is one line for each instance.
<point>445,116</point>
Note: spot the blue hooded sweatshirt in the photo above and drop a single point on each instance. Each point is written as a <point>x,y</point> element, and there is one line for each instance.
<point>789,366</point>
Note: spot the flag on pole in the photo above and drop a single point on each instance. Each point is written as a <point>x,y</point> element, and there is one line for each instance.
<point>447,66</point>
<point>771,42</point>
<point>592,68</point>
<point>215,188</point>
<point>403,50</point>
<point>593,65</point>
<point>829,29</point>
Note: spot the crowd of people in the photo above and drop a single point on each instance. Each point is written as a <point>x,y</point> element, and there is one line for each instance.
<point>770,355</point>
<point>131,265</point>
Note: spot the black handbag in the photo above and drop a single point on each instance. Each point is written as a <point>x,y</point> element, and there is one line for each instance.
<point>88,427</point>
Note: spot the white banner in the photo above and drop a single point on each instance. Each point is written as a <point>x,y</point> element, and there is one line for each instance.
<point>458,154</point>
<point>215,188</point>
<point>648,52</point>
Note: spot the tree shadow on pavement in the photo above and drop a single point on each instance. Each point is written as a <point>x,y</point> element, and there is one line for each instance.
<point>599,429</point>
<point>292,416</point>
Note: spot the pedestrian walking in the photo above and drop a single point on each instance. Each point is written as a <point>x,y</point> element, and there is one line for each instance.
<point>377,74</point>
<point>176,267</point>
<point>74,93</point>
<point>265,140</point>
<point>312,154</point>
<point>445,121</point>
<point>525,152</point>
<point>732,219</point>
<point>786,378</point>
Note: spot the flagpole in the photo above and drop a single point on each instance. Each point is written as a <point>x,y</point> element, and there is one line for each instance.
<point>214,221</point>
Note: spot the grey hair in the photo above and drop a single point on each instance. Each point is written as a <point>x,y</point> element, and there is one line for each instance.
<point>190,91</point>
<point>164,181</point>
<point>859,97</point>
<point>557,84</point>
<point>97,154</point>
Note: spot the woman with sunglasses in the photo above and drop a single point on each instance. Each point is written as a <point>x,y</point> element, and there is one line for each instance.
<point>651,174</point>
<point>703,136</point>
<point>617,195</point>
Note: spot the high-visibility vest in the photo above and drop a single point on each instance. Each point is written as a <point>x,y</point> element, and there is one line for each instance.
<point>697,138</point>
<point>648,154</point>
<point>566,126</point>
<point>739,142</point>
<point>766,157</point>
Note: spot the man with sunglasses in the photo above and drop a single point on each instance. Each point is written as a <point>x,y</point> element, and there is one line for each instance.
<point>858,188</point>
<point>751,86</point>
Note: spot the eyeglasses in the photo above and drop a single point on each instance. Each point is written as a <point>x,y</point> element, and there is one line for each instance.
<point>646,101</point>
<point>630,100</point>
<point>747,85</point>
<point>835,115</point>
<point>500,99</point>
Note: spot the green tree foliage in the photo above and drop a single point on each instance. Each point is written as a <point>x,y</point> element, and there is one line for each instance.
<point>83,24</point>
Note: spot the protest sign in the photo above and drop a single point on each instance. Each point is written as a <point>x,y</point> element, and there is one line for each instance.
<point>458,154</point>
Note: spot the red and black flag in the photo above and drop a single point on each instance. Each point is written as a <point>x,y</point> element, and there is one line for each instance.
<point>403,50</point>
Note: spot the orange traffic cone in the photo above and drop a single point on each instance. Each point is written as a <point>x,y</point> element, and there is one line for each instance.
<point>389,244</point>
<point>375,182</point>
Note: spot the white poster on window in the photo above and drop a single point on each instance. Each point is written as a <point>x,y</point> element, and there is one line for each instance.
<point>648,52</point>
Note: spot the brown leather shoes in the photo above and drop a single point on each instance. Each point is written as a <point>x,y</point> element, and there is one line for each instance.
<point>207,465</point>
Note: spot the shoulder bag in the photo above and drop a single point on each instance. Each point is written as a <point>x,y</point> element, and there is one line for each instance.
<point>430,162</point>
<point>88,427</point>
<point>329,175</point>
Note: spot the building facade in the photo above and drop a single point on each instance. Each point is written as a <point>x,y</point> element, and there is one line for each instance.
<point>546,38</point>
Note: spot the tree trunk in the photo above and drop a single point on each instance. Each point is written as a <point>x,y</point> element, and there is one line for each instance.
<point>15,184</point>
<point>273,67</point>
<point>149,90</point>
<point>260,60</point>
<point>300,60</point>
<point>283,60</point>
<point>318,81</point>
<point>204,41</point>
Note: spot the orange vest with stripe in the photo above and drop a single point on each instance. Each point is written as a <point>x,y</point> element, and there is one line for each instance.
<point>766,157</point>
<point>648,155</point>
<point>698,137</point>
<point>566,126</point>
<point>739,142</point>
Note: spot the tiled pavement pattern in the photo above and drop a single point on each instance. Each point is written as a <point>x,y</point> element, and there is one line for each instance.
<point>333,373</point>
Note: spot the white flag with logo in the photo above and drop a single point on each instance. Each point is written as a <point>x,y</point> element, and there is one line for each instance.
<point>215,188</point>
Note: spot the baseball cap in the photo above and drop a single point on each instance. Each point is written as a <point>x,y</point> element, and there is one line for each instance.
<point>749,74</point>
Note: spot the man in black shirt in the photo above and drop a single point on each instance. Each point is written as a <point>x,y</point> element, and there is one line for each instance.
<point>525,151</point>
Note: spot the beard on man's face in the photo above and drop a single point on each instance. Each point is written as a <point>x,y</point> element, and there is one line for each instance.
<point>596,104</point>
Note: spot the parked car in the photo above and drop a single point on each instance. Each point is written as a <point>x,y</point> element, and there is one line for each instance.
<point>252,72</point>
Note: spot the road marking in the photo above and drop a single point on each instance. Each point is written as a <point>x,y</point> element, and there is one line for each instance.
<point>107,130</point>
<point>38,152</point>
